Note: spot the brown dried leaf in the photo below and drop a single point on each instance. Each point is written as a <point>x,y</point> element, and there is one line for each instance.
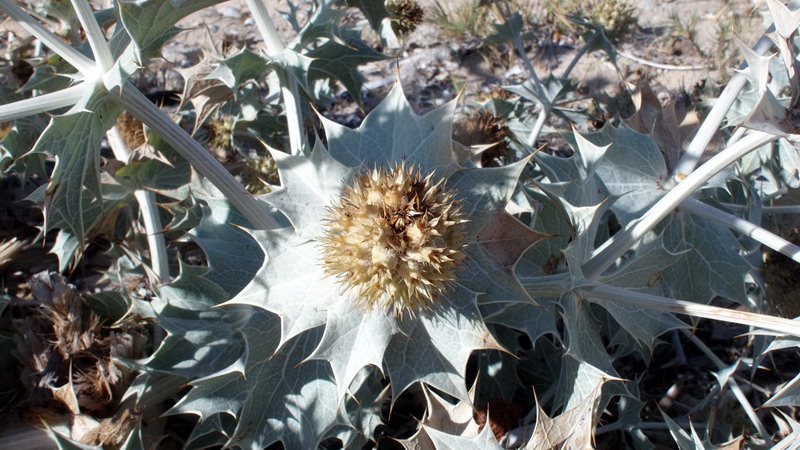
<point>505,239</point>
<point>670,125</point>
<point>574,429</point>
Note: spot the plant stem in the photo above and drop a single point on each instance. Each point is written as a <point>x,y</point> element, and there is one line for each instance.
<point>623,241</point>
<point>578,56</point>
<point>538,125</point>
<point>782,209</point>
<point>95,36</point>
<point>601,293</point>
<point>737,391</point>
<point>149,210</point>
<point>291,98</point>
<point>546,286</point>
<point>645,62</point>
<point>142,109</point>
<point>753,231</point>
<point>710,125</point>
<point>45,102</point>
<point>85,66</point>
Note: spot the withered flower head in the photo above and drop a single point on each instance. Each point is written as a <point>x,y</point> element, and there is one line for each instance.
<point>484,127</point>
<point>220,136</point>
<point>132,130</point>
<point>616,17</point>
<point>259,173</point>
<point>408,15</point>
<point>396,238</point>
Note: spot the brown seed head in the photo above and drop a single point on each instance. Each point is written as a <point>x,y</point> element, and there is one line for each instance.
<point>408,15</point>
<point>396,238</point>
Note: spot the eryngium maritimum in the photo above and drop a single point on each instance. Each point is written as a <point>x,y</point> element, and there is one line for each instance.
<point>396,238</point>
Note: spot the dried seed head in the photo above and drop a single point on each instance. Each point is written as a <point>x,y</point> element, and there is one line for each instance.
<point>616,17</point>
<point>396,238</point>
<point>408,15</point>
<point>259,173</point>
<point>132,131</point>
<point>483,127</point>
<point>220,137</point>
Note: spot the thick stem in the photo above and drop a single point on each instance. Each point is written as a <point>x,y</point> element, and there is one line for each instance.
<point>767,238</point>
<point>737,391</point>
<point>149,210</point>
<point>84,65</point>
<point>624,240</point>
<point>289,90</point>
<point>142,109</point>
<point>578,56</point>
<point>95,36</point>
<point>537,127</point>
<point>782,209</point>
<point>546,286</point>
<point>601,293</point>
<point>45,102</point>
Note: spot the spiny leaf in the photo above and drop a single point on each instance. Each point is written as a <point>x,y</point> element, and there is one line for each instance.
<point>710,263</point>
<point>201,339</point>
<point>275,398</point>
<point>632,169</point>
<point>76,173</point>
<point>238,68</point>
<point>335,61</point>
<point>151,22</point>
<point>308,187</point>
<point>393,132</point>
<point>291,283</point>
<point>788,395</point>
<point>574,428</point>
<point>233,255</point>
<point>374,10</point>
<point>354,339</point>
<point>434,348</point>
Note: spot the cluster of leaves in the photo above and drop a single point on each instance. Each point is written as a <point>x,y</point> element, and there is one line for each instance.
<point>546,330</point>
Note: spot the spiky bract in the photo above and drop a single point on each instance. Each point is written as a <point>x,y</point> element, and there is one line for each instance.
<point>396,238</point>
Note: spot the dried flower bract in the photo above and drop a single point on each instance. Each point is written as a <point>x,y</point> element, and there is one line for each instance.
<point>396,238</point>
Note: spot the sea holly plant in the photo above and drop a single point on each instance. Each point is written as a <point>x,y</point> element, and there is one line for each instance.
<point>387,273</point>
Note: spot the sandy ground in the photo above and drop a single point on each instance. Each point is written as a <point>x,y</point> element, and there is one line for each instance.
<point>431,58</point>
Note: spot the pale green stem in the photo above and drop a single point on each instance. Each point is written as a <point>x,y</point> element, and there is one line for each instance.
<point>95,36</point>
<point>710,125</point>
<point>149,210</point>
<point>538,125</point>
<point>84,65</point>
<point>578,56</point>
<point>737,391</point>
<point>615,247</point>
<point>546,286</point>
<point>142,109</point>
<point>767,238</point>
<point>738,134</point>
<point>601,293</point>
<point>783,209</point>
<point>45,102</point>
<point>289,89</point>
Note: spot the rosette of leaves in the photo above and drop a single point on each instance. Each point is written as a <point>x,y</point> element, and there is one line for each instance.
<point>395,201</point>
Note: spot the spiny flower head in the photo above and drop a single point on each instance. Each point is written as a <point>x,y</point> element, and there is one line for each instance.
<point>484,127</point>
<point>396,237</point>
<point>616,17</point>
<point>408,15</point>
